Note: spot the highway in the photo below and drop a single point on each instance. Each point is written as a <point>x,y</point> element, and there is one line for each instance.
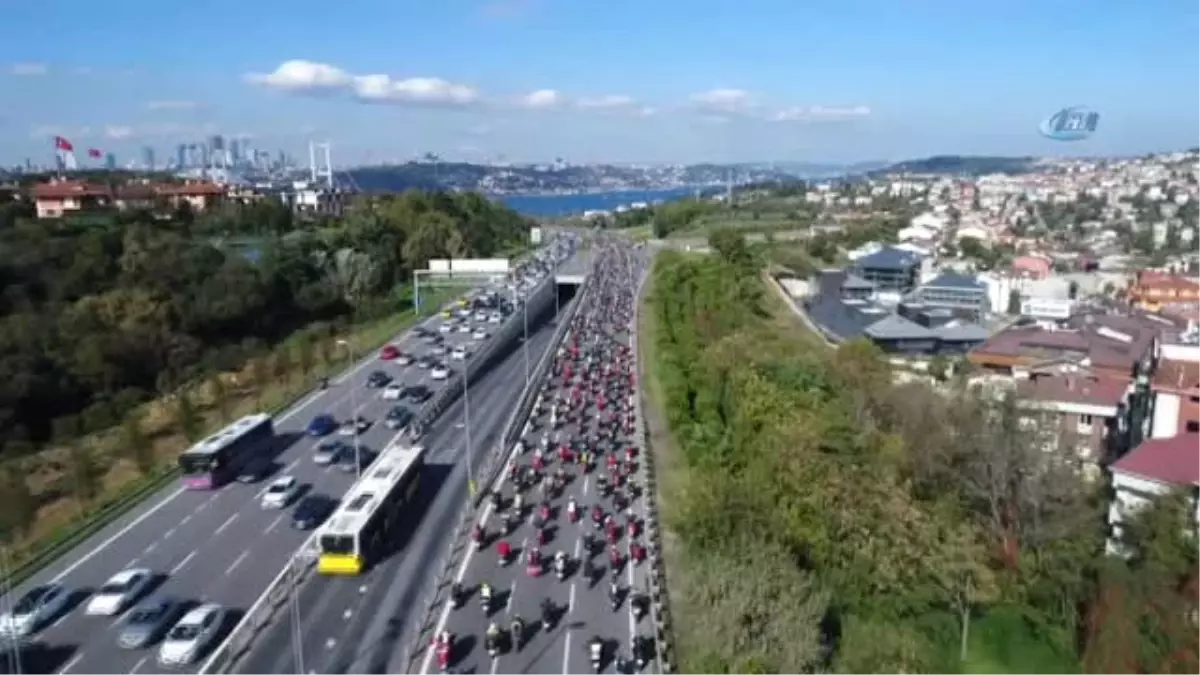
<point>355,624</point>
<point>220,546</point>
<point>584,608</point>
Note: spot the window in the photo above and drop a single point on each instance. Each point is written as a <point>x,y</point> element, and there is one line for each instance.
<point>1193,426</point>
<point>1085,420</point>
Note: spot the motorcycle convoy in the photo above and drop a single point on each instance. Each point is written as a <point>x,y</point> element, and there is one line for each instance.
<point>585,414</point>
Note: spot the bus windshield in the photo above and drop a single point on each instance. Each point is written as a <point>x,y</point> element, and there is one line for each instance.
<point>192,465</point>
<point>337,544</point>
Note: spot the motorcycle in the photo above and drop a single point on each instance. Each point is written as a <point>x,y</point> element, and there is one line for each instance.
<point>504,552</point>
<point>444,646</point>
<point>456,595</point>
<point>597,655</point>
<point>477,536</point>
<point>493,647</point>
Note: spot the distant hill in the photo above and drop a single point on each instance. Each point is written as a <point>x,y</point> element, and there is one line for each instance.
<point>960,165</point>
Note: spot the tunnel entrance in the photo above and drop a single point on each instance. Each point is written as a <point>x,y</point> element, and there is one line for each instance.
<point>564,292</point>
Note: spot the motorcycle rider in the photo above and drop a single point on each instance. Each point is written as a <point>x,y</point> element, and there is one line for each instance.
<point>491,637</point>
<point>517,627</point>
<point>485,595</point>
<point>596,651</point>
<point>547,613</point>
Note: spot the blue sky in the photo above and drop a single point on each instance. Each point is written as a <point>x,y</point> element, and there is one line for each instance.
<point>600,80</point>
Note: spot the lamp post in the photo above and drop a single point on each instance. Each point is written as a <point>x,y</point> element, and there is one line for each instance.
<point>354,412</point>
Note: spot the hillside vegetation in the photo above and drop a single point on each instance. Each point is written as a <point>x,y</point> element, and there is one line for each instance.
<point>820,518</point>
<point>99,318</point>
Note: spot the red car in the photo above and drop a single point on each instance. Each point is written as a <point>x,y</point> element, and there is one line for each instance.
<point>389,353</point>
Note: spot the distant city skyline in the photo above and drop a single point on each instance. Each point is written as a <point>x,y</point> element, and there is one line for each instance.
<point>662,82</point>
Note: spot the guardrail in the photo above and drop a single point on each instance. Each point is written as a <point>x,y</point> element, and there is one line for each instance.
<point>263,612</point>
<point>494,463</point>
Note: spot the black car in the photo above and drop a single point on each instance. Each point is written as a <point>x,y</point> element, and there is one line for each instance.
<point>378,379</point>
<point>398,417</point>
<point>255,469</point>
<point>418,393</point>
<point>312,511</point>
<point>426,362</point>
<point>364,457</point>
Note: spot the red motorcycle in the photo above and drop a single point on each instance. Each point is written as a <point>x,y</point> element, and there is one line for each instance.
<point>533,566</point>
<point>572,512</point>
<point>444,645</point>
<point>637,552</point>
<point>614,557</point>
<point>504,551</point>
<point>633,529</point>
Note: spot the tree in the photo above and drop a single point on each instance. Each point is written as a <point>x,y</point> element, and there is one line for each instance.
<point>306,355</point>
<point>220,397</point>
<point>260,372</point>
<point>963,578</point>
<point>939,368</point>
<point>139,446</point>
<point>281,365</point>
<point>85,473</point>
<point>188,418</point>
<point>18,508</point>
<point>1014,303</point>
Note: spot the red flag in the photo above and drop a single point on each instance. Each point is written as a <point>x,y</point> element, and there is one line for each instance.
<point>94,153</point>
<point>63,144</point>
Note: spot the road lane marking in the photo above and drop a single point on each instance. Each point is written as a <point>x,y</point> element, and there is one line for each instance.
<point>182,563</point>
<point>138,665</point>
<point>132,563</point>
<point>115,536</point>
<point>225,524</point>
<point>240,558</point>
<point>185,519</point>
<point>273,523</point>
<point>168,533</point>
<point>153,545</point>
<point>72,663</point>
<point>567,639</point>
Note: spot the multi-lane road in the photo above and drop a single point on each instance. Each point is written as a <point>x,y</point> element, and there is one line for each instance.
<point>359,624</point>
<point>585,610</point>
<point>220,546</point>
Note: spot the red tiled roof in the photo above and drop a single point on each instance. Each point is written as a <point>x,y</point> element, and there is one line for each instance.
<point>69,188</point>
<point>1094,336</point>
<point>1174,460</point>
<point>1074,388</point>
<point>1180,376</point>
<point>194,190</point>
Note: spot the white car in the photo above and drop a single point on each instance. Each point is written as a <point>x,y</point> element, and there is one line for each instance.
<point>280,493</point>
<point>439,372</point>
<point>459,354</point>
<point>39,606</point>
<point>120,592</point>
<point>189,638</point>
<point>480,334</point>
<point>464,327</point>
<point>445,327</point>
<point>393,392</point>
<point>495,318</point>
<point>405,359</point>
<point>438,350</point>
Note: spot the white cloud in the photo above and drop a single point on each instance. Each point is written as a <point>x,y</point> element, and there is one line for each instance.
<point>29,69</point>
<point>542,99</point>
<point>172,105</point>
<point>819,113</point>
<point>723,101</point>
<point>118,132</point>
<point>308,77</point>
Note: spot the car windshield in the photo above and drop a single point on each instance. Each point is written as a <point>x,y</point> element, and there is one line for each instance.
<point>117,587</point>
<point>279,487</point>
<point>147,615</point>
<point>31,601</point>
<point>184,631</point>
<point>328,447</point>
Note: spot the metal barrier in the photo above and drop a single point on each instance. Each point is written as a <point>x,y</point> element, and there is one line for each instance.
<point>494,462</point>
<point>262,612</point>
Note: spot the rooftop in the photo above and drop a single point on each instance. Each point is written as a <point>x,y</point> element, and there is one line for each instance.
<point>1105,340</point>
<point>1084,389</point>
<point>889,257</point>
<point>1174,460</point>
<point>1179,376</point>
<point>955,280</point>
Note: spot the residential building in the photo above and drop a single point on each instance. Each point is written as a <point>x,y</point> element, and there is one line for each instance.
<point>1089,411</point>
<point>199,195</point>
<point>1150,290</point>
<point>1175,398</point>
<point>1155,467</point>
<point>63,197</point>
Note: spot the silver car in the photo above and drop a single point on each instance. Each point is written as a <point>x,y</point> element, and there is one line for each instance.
<point>38,607</point>
<point>148,623</point>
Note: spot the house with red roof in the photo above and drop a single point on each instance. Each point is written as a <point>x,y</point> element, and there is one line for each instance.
<point>1155,467</point>
<point>1088,411</point>
<point>62,197</point>
<point>1176,398</point>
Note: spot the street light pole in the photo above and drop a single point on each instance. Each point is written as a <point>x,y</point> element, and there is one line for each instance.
<point>354,413</point>
<point>467,426</point>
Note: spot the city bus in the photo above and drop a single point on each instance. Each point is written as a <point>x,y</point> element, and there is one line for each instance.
<point>216,460</point>
<point>357,533</point>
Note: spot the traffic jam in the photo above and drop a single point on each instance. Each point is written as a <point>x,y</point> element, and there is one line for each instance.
<point>555,580</point>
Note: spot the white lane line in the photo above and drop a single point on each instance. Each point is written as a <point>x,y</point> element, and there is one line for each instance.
<point>495,664</point>
<point>138,665</point>
<point>225,524</point>
<point>182,563</point>
<point>240,558</point>
<point>168,533</point>
<point>273,523</point>
<point>567,639</point>
<point>586,479</point>
<point>292,465</point>
<point>185,519</point>
<point>132,563</point>
<point>115,536</point>
<point>71,664</point>
<point>153,545</point>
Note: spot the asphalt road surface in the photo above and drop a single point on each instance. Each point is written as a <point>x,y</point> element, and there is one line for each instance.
<point>349,623</point>
<point>584,607</point>
<point>218,546</point>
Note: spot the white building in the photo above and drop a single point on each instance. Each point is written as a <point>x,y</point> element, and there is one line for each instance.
<point>1154,468</point>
